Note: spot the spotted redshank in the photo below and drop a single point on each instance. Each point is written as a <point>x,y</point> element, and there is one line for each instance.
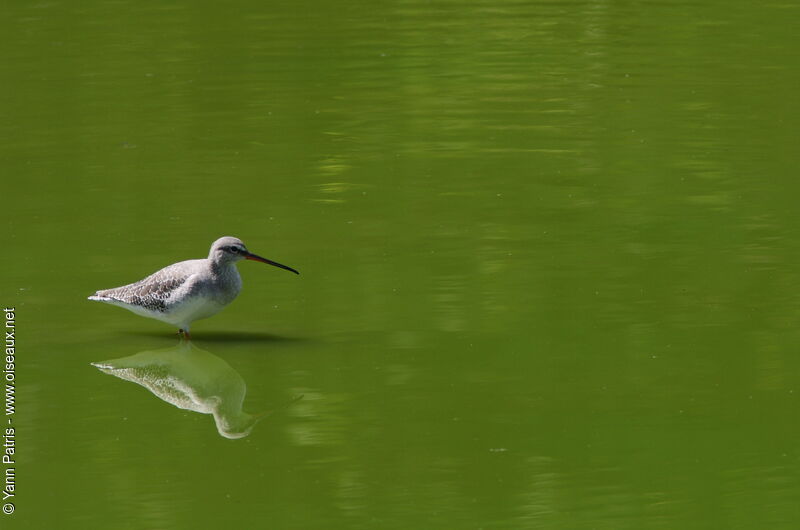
<point>188,290</point>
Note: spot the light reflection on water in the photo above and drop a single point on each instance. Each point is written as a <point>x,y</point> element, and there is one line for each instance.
<point>191,379</point>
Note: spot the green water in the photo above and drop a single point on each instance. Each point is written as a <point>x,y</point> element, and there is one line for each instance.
<point>548,253</point>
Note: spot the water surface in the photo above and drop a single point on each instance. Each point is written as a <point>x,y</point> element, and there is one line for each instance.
<point>547,249</point>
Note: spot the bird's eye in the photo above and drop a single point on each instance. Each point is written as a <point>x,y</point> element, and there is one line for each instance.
<point>235,249</point>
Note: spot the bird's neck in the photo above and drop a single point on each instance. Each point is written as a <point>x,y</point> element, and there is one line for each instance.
<point>224,269</point>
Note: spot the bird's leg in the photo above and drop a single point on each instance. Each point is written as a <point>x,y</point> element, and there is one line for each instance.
<point>184,334</point>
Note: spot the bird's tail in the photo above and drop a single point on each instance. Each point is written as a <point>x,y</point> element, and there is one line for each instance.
<point>98,298</point>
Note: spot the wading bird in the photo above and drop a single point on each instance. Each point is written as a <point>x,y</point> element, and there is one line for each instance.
<point>188,290</point>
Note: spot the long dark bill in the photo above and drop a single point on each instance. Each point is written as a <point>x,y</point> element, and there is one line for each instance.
<point>268,262</point>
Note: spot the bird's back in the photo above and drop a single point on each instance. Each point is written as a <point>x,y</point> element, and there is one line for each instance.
<point>153,292</point>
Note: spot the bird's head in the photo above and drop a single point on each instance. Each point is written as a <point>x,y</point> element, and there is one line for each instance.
<point>231,249</point>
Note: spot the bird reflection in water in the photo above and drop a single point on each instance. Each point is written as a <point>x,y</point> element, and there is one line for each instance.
<point>191,379</point>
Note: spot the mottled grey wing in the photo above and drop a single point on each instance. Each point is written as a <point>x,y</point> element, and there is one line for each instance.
<point>150,293</point>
